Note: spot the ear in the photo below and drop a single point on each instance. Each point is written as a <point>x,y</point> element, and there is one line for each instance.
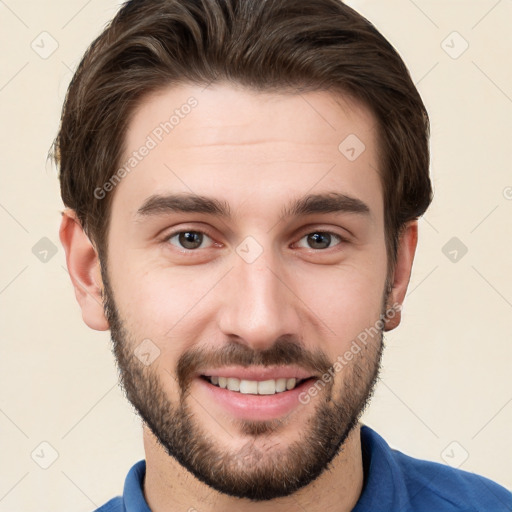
<point>402,272</point>
<point>84,269</point>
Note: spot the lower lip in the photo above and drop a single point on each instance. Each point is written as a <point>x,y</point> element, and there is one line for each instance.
<point>256,407</point>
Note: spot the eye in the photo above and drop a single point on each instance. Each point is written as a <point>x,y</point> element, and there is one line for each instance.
<point>320,240</point>
<point>189,240</point>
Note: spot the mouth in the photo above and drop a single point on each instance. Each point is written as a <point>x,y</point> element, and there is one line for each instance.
<point>256,393</point>
<point>255,387</point>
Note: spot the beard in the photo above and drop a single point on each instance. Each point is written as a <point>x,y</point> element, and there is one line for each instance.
<point>252,471</point>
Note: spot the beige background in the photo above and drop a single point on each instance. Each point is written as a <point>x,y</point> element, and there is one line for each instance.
<point>446,391</point>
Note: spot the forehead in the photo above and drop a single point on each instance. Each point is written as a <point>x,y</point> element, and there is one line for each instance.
<point>249,147</point>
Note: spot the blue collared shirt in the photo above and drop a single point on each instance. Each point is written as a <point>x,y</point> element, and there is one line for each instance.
<point>394,482</point>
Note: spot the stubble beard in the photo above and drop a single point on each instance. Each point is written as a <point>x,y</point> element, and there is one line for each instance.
<point>249,472</point>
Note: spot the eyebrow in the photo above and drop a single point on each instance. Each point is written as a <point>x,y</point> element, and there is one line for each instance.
<point>331,202</point>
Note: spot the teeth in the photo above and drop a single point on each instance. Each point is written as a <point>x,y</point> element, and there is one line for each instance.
<point>254,387</point>
<point>267,387</point>
<point>249,387</point>
<point>280,385</point>
<point>233,384</point>
<point>290,383</point>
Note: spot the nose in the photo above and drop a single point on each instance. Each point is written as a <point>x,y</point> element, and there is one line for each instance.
<point>258,302</point>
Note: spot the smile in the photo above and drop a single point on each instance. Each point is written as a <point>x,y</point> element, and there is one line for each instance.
<point>254,387</point>
<point>253,393</point>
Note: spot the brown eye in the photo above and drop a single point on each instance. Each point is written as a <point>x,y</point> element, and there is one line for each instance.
<point>320,240</point>
<point>189,240</point>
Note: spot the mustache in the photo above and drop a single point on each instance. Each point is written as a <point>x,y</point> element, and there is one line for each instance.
<point>286,350</point>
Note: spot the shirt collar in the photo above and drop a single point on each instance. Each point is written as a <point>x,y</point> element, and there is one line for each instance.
<point>383,487</point>
<point>133,493</point>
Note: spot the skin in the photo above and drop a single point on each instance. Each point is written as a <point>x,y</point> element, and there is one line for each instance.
<point>255,152</point>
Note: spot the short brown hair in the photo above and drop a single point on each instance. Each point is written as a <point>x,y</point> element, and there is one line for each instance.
<point>272,45</point>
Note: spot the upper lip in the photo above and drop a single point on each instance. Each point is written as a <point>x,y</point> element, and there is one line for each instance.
<point>259,373</point>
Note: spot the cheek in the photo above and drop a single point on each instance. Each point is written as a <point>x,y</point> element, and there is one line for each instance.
<point>160,309</point>
<point>161,303</point>
<point>346,299</point>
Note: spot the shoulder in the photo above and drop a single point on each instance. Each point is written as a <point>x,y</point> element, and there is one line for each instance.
<point>432,484</point>
<point>114,505</point>
<point>423,486</point>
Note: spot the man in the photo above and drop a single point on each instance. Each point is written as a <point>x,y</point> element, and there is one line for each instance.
<point>243,181</point>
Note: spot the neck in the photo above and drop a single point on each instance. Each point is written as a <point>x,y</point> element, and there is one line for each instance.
<point>168,487</point>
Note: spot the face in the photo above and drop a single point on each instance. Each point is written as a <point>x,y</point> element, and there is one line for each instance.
<point>247,250</point>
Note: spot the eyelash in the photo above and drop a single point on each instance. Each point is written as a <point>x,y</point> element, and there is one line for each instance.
<point>168,238</point>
